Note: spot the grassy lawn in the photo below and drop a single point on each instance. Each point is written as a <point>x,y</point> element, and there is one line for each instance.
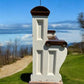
<point>73,69</point>
<point>72,72</point>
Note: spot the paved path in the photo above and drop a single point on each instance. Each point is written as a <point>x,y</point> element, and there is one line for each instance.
<point>19,65</point>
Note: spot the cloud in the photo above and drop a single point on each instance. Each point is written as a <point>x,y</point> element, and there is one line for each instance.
<point>55,25</point>
<point>1,44</point>
<point>3,26</point>
<point>15,29</point>
<point>9,42</point>
<point>26,39</point>
<point>14,26</point>
<point>26,36</point>
<point>66,25</point>
<point>26,26</point>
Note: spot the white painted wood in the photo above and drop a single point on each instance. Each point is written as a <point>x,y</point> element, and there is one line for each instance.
<point>39,38</point>
<point>40,30</point>
<point>39,62</point>
<point>51,62</point>
<point>47,61</point>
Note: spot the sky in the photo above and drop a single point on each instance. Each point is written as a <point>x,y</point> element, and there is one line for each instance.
<point>16,20</point>
<point>69,31</point>
<point>23,39</point>
<point>18,11</point>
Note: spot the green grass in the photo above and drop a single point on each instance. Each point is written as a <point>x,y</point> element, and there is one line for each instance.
<point>72,72</point>
<point>73,69</point>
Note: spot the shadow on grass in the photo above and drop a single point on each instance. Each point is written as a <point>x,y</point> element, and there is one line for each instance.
<point>25,77</point>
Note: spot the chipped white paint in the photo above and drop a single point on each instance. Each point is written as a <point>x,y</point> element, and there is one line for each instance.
<point>47,61</point>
